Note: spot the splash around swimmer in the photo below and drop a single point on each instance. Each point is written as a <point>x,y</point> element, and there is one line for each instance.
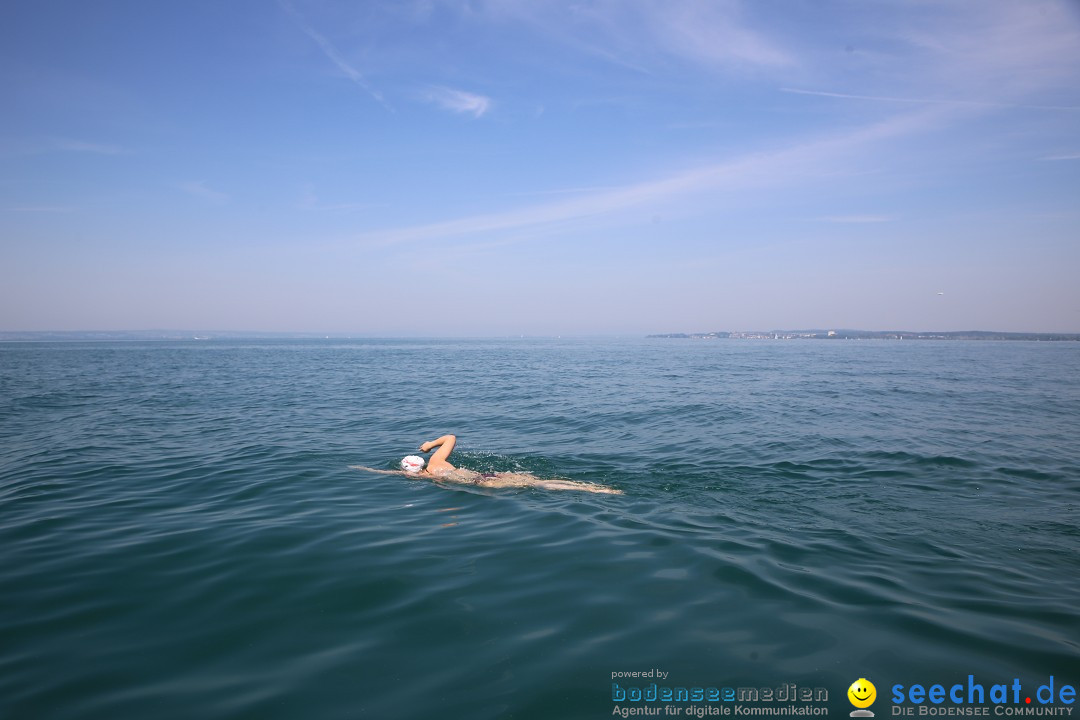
<point>440,469</point>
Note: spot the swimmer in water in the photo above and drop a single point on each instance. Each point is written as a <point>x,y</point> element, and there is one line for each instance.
<point>439,468</point>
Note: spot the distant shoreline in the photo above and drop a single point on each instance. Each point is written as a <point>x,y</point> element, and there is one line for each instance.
<point>872,335</point>
<point>205,336</point>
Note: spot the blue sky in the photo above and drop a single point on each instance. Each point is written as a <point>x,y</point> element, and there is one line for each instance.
<point>493,167</point>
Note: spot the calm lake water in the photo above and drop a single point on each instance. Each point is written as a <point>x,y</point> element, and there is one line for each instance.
<point>183,538</point>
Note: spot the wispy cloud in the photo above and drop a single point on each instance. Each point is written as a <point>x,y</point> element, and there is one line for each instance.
<point>641,35</point>
<point>855,219</point>
<point>565,191</point>
<point>995,50</point>
<point>699,125</point>
<point>713,33</point>
<point>458,101</point>
<point>1068,156</point>
<point>39,209</point>
<point>310,201</point>
<point>198,189</point>
<point>332,53</point>
<point>70,145</point>
<point>808,159</point>
<point>38,146</point>
<point>929,101</point>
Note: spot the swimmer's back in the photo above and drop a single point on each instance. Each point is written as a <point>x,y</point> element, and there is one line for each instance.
<point>521,480</point>
<point>458,475</point>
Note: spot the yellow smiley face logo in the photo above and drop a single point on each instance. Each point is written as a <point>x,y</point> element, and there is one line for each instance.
<point>862,693</point>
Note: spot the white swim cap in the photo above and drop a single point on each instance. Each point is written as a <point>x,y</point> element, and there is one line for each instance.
<point>412,463</point>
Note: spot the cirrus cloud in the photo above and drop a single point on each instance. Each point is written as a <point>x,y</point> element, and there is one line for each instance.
<point>458,101</point>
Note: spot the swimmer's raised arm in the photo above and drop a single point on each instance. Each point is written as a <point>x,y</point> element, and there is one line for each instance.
<point>438,460</point>
<point>445,439</point>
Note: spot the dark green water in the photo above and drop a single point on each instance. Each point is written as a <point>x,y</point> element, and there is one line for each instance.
<point>182,536</point>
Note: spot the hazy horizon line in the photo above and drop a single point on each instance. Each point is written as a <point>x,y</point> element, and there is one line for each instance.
<point>171,334</point>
